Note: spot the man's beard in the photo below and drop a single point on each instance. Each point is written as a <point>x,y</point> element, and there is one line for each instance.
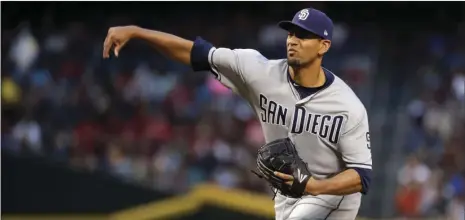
<point>294,62</point>
<point>297,63</point>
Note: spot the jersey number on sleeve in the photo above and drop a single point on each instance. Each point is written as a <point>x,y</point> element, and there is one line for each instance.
<point>367,135</point>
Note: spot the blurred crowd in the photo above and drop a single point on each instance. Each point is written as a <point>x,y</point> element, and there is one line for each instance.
<point>432,180</point>
<point>154,122</point>
<point>135,121</point>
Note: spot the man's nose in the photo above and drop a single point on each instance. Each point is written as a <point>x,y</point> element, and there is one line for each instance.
<point>292,42</point>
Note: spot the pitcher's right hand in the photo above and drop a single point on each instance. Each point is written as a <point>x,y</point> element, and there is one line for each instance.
<point>116,38</point>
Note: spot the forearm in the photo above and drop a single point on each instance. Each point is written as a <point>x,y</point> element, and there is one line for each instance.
<point>171,46</point>
<point>344,183</point>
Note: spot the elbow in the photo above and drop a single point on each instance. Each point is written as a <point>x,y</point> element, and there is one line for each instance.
<point>365,179</point>
<point>199,55</point>
<point>177,49</point>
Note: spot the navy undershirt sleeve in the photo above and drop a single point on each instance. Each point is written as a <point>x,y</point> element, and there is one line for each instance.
<point>365,177</point>
<point>199,55</point>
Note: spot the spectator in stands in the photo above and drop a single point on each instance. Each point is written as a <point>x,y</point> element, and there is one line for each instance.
<point>28,133</point>
<point>412,179</point>
<point>118,162</point>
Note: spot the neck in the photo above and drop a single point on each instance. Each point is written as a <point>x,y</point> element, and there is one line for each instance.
<point>308,76</point>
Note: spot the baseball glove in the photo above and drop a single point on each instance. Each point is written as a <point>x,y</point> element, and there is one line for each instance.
<point>281,155</point>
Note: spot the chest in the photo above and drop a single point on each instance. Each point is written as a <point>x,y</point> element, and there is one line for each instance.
<point>279,111</point>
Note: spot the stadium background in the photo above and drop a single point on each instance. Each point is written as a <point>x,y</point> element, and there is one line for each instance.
<point>142,137</point>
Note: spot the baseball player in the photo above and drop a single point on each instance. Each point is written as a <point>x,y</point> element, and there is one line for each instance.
<point>294,98</point>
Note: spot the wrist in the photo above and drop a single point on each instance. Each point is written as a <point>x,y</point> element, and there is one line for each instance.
<point>313,187</point>
<point>135,31</point>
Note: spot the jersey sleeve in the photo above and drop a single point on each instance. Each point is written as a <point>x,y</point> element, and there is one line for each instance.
<point>228,66</point>
<point>355,143</point>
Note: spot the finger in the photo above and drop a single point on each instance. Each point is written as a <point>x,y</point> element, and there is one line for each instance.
<point>116,50</point>
<point>107,46</point>
<point>283,176</point>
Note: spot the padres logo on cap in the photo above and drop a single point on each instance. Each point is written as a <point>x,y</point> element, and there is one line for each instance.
<point>303,14</point>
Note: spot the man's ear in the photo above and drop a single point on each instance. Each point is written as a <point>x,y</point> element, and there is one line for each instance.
<point>324,47</point>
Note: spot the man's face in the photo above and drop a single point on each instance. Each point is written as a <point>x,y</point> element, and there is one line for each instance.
<point>304,47</point>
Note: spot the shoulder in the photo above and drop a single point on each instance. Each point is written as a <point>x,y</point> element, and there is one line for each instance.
<point>239,52</point>
<point>346,100</point>
<point>253,60</point>
<point>248,54</point>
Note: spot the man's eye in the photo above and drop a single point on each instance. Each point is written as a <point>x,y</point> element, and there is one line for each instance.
<point>301,35</point>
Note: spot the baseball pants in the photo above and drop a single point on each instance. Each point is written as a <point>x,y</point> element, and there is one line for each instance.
<point>302,209</point>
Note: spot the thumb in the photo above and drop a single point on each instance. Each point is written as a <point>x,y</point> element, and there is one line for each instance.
<point>118,48</point>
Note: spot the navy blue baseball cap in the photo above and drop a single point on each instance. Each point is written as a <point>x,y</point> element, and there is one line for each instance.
<point>312,20</point>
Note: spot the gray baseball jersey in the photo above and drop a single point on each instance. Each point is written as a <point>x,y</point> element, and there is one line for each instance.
<point>329,127</point>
